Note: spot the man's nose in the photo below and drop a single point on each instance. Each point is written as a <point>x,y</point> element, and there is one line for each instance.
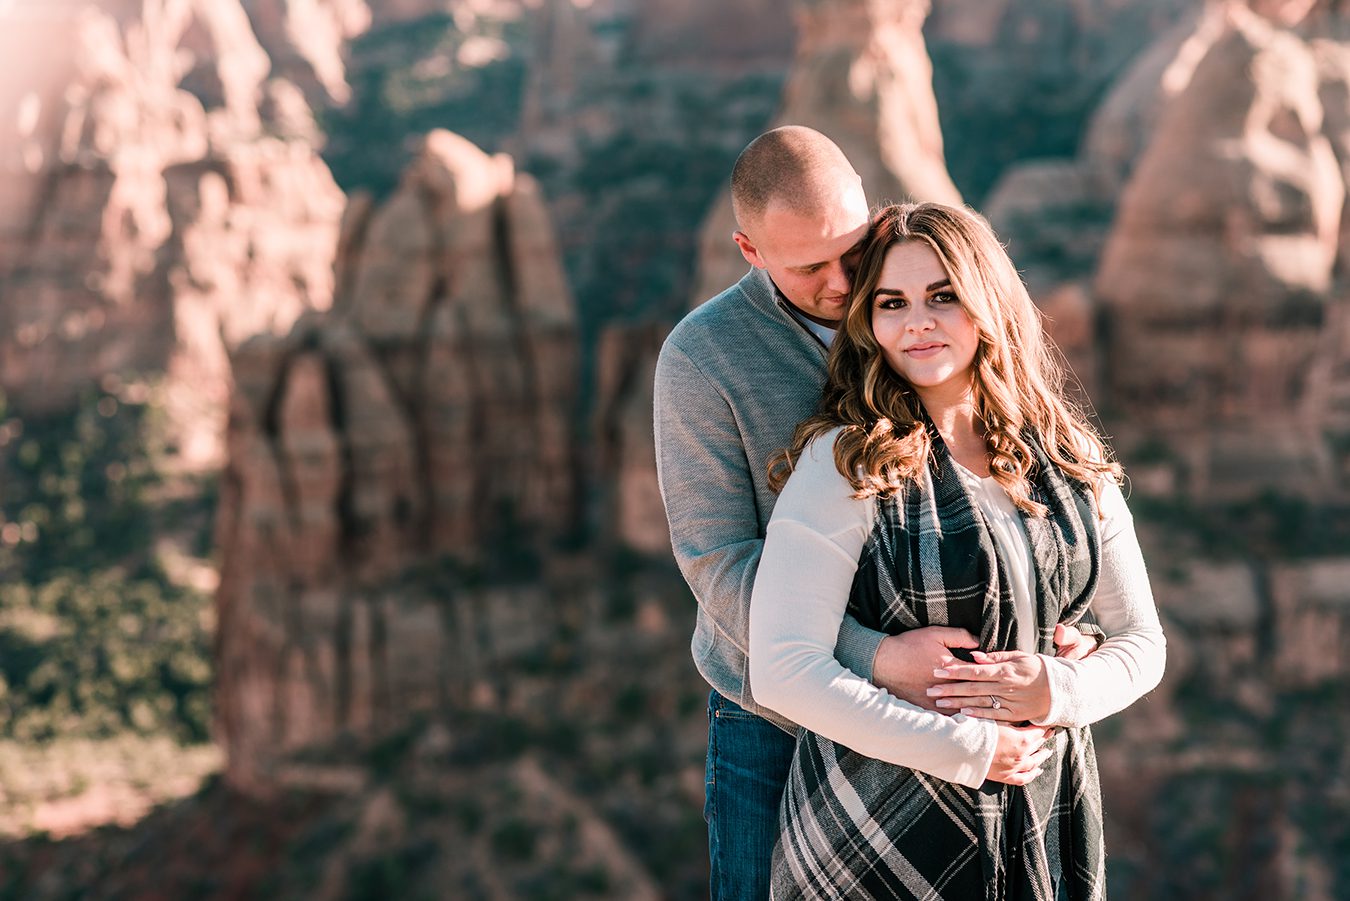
<point>838,280</point>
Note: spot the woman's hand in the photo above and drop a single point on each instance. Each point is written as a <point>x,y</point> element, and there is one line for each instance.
<point>1019,754</point>
<point>1010,686</point>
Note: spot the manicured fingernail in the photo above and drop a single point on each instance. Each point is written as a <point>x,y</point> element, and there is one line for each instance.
<point>944,703</point>
<point>940,673</point>
<point>934,690</point>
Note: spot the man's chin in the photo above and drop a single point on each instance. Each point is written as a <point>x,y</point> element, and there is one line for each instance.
<point>832,308</point>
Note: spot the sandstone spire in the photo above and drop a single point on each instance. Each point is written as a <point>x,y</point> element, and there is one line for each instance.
<point>427,417</point>
<point>1217,276</point>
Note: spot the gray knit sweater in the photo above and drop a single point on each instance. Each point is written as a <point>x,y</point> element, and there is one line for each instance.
<point>733,380</point>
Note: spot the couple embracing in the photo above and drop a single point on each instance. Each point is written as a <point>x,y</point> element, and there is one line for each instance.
<point>893,522</point>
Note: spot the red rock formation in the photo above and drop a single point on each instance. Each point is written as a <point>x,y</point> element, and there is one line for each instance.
<point>1312,619</point>
<point>305,41</point>
<point>626,449</point>
<point>704,34</point>
<point>1122,126</point>
<point>861,76</point>
<point>427,417</point>
<point>1218,272</point>
<point>147,224</point>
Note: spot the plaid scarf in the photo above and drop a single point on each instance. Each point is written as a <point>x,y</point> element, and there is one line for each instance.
<point>855,827</point>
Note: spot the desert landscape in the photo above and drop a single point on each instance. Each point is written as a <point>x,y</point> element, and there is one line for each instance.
<point>332,560</point>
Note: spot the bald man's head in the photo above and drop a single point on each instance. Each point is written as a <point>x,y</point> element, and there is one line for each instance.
<point>800,212</point>
<point>793,166</point>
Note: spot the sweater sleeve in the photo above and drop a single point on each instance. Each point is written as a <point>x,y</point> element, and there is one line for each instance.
<point>811,553</point>
<point>1130,662</point>
<point>709,495</point>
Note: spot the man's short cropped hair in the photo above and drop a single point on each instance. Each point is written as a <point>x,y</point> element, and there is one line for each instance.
<point>794,165</point>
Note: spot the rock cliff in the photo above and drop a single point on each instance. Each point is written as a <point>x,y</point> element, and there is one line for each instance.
<point>154,215</point>
<point>1217,277</point>
<point>305,42</point>
<point>427,418</point>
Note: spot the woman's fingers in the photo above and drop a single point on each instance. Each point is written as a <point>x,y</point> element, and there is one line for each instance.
<point>1019,681</point>
<point>1020,754</point>
<point>998,656</point>
<point>1035,761</point>
<point>975,672</point>
<point>1021,778</point>
<point>1034,765</point>
<point>1004,714</point>
<point>961,690</point>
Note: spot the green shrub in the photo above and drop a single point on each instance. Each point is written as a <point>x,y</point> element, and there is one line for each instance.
<point>94,637</point>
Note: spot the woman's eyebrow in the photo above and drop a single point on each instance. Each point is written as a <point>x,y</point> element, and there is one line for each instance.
<point>896,292</point>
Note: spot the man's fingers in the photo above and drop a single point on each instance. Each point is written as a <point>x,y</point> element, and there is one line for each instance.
<point>1065,634</point>
<point>952,637</point>
<point>1076,645</point>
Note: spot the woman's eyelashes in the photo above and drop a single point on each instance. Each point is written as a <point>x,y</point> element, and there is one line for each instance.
<point>895,302</point>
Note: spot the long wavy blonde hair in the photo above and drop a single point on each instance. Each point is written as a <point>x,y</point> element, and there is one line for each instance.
<point>1017,379</point>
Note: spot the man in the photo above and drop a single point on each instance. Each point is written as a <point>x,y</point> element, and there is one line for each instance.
<point>733,380</point>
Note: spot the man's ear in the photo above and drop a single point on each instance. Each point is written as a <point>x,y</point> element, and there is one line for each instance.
<point>748,250</point>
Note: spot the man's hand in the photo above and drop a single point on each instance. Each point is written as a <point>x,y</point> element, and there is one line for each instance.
<point>904,663</point>
<point>1071,644</point>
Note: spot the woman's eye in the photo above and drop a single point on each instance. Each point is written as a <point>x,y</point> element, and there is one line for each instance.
<point>890,303</point>
<point>945,297</point>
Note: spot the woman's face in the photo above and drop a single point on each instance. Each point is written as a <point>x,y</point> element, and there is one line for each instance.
<point>925,334</point>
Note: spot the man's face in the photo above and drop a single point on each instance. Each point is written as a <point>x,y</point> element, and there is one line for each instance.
<point>810,258</point>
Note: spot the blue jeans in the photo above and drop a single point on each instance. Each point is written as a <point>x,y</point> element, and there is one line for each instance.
<point>748,762</point>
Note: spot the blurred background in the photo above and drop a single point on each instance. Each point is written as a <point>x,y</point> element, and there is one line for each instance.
<point>332,563</point>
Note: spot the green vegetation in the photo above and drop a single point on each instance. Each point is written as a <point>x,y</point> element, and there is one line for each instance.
<point>95,638</point>
<point>1034,97</point>
<point>407,80</point>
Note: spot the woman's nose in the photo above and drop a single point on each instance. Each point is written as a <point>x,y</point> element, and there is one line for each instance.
<point>919,321</point>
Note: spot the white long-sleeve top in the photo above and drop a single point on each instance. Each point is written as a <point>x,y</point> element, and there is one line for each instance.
<point>801,591</point>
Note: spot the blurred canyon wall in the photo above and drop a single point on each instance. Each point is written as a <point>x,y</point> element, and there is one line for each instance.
<point>157,216</point>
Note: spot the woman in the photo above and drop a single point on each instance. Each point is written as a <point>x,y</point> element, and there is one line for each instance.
<point>947,481</point>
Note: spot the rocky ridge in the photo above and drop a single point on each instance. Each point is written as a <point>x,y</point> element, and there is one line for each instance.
<point>428,417</point>
<point>157,220</point>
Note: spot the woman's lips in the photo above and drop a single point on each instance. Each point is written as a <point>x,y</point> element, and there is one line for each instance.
<point>922,351</point>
